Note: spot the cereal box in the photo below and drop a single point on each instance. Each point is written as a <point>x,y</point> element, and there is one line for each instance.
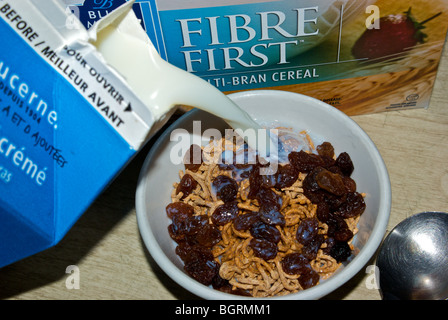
<point>361,56</point>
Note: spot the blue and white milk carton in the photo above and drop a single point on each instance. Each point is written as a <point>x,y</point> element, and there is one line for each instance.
<point>68,125</point>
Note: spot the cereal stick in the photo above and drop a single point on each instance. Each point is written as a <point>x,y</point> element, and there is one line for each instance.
<point>266,278</point>
<point>248,206</point>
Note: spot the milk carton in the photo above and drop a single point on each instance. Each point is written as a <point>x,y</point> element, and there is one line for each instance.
<point>304,46</point>
<point>68,125</point>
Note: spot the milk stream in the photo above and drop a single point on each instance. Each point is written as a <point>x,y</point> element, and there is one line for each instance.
<point>162,86</point>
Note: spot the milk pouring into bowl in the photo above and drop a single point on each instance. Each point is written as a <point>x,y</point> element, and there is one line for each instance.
<point>161,86</point>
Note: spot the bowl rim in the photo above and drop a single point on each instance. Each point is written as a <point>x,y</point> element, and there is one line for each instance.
<point>343,275</point>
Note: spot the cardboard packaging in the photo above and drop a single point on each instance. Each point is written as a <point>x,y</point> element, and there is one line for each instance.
<point>301,46</point>
<point>68,125</point>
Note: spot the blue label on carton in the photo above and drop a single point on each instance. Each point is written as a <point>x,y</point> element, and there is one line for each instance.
<point>60,144</point>
<point>92,11</point>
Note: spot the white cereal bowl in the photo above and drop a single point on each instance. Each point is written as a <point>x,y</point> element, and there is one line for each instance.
<point>285,109</point>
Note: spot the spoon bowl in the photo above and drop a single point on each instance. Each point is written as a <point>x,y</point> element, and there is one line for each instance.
<point>413,259</point>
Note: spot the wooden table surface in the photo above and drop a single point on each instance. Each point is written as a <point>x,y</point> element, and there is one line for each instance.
<point>113,262</point>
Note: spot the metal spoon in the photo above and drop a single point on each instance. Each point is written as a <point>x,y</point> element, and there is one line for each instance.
<point>413,259</point>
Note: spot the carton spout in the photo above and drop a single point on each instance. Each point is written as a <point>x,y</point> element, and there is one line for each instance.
<point>121,41</point>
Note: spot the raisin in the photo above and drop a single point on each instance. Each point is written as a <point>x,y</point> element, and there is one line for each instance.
<point>271,215</point>
<point>329,243</point>
<point>263,249</point>
<point>186,185</point>
<point>305,162</point>
<point>176,233</point>
<point>340,251</point>
<point>225,213</point>
<point>349,183</point>
<point>208,236</point>
<point>335,169</point>
<point>182,250</point>
<point>179,208</point>
<point>295,263</point>
<point>307,230</point>
<point>193,158</point>
<point>261,230</point>
<point>188,251</point>
<point>270,204</point>
<point>221,284</point>
<point>257,180</point>
<point>325,149</point>
<point>353,206</point>
<point>286,176</point>
<point>311,248</point>
<point>267,180</point>
<point>255,183</point>
<point>331,182</point>
<point>338,228</point>
<point>309,279</point>
<point>245,221</point>
<point>178,229</point>
<point>343,234</point>
<point>225,187</point>
<point>315,197</point>
<point>328,162</point>
<point>194,224</point>
<point>310,183</point>
<point>184,227</point>
<point>322,211</point>
<point>202,270</point>
<point>344,162</point>
<point>313,191</point>
<point>268,198</point>
<point>333,201</point>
